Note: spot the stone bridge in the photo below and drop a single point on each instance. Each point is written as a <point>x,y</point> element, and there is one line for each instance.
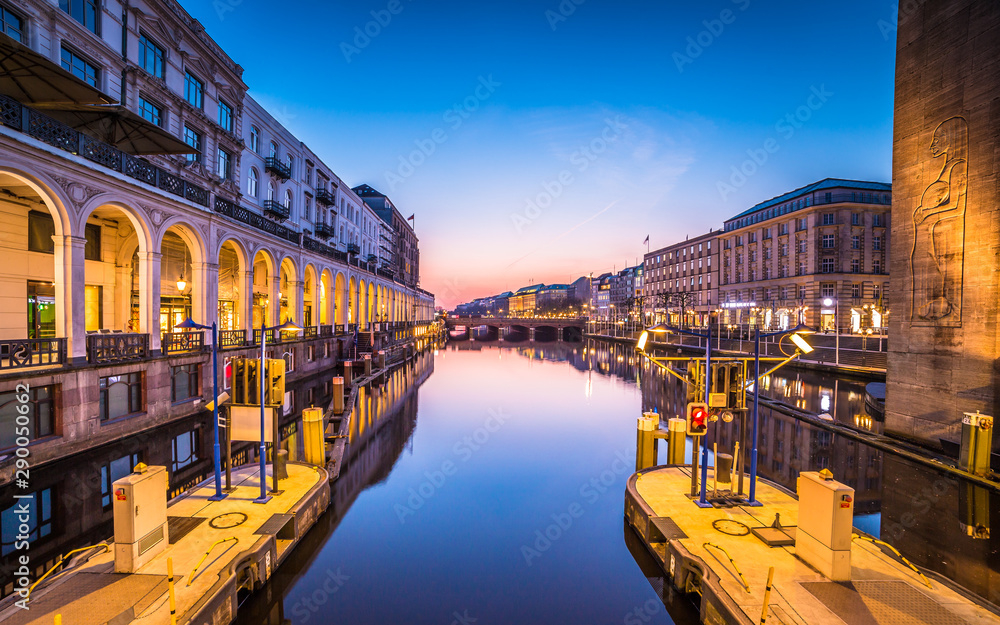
<point>516,328</point>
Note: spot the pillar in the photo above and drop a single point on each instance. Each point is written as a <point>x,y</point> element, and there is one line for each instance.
<point>205,295</point>
<point>149,297</point>
<point>274,307</point>
<point>246,302</point>
<point>70,280</point>
<point>531,334</point>
<point>296,301</point>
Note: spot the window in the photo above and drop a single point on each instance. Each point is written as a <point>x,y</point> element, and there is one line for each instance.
<point>782,229</point>
<point>184,450</point>
<point>225,116</point>
<point>41,228</point>
<point>39,519</point>
<point>121,395</point>
<point>184,382</point>
<point>193,138</point>
<point>784,249</point>
<point>83,11</point>
<point>878,221</point>
<point>194,91</point>
<point>150,56</point>
<point>877,266</point>
<point>253,183</point>
<point>225,170</point>
<point>39,420</point>
<point>855,266</point>
<point>856,291</point>
<point>876,292</point>
<point>79,67</point>
<point>150,112</point>
<point>803,246</point>
<point>828,289</point>
<point>877,243</point>
<point>274,150</point>
<point>828,241</point>
<point>113,471</point>
<point>855,242</point>
<point>307,208</point>
<point>288,201</point>
<point>93,305</point>
<point>11,24</point>
<point>752,237</point>
<point>255,139</point>
<point>856,219</point>
<point>828,265</point>
<point>92,248</point>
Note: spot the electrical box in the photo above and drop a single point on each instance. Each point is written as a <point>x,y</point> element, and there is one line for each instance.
<point>977,443</point>
<point>140,510</point>
<point>826,521</point>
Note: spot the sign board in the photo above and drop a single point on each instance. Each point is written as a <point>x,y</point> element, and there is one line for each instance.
<point>717,400</point>
<point>245,421</point>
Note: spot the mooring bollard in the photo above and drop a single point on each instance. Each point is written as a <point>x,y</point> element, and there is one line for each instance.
<point>315,446</point>
<point>338,395</point>
<point>381,359</point>
<point>348,374</point>
<point>281,464</point>
<point>677,441</point>
<point>368,364</point>
<point>645,442</point>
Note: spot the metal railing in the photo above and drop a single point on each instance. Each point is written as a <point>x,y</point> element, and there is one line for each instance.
<point>114,348</point>
<point>17,354</point>
<point>278,167</point>
<point>326,330</point>
<point>180,342</point>
<point>326,197</point>
<point>279,210</point>
<point>232,338</point>
<point>252,219</point>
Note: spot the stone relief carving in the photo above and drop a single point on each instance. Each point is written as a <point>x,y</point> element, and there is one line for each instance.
<point>938,255</point>
<point>78,192</point>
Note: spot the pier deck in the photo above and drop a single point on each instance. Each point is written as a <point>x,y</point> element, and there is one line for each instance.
<point>883,590</point>
<point>93,593</point>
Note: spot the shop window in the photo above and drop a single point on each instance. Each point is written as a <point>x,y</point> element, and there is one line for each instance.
<point>121,396</point>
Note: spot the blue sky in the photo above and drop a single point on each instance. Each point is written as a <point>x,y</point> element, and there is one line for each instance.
<point>543,140</point>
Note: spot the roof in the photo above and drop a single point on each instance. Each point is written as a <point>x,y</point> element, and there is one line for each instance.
<point>367,191</point>
<point>504,294</point>
<point>530,289</point>
<point>827,183</point>
<point>556,287</point>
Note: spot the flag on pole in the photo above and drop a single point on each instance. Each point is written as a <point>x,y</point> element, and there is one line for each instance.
<point>410,218</point>
<point>647,240</point>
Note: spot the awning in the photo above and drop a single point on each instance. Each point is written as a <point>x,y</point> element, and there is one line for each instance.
<point>32,79</point>
<point>116,125</point>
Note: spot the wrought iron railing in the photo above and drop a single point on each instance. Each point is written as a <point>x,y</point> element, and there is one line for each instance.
<point>252,219</point>
<point>323,230</point>
<point>339,329</point>
<point>310,332</point>
<point>278,167</point>
<point>277,209</point>
<point>53,132</point>
<point>180,342</point>
<point>272,337</point>
<point>353,248</point>
<point>326,330</point>
<point>229,339</point>
<point>323,249</point>
<point>17,354</point>
<point>119,347</point>
<point>326,197</point>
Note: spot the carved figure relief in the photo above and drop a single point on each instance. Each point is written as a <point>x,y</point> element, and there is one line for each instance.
<point>938,254</point>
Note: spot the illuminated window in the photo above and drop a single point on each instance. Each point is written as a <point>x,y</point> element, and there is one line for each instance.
<point>93,307</point>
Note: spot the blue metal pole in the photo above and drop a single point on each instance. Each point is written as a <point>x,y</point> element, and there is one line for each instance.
<point>264,497</point>
<point>702,500</point>
<point>756,394</point>
<point>216,449</point>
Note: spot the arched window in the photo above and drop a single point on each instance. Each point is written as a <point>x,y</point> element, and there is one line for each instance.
<point>270,191</point>
<point>288,200</point>
<point>255,139</point>
<point>252,183</point>
<point>274,149</point>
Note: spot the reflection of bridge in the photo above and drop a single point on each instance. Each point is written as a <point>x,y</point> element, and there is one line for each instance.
<point>518,328</point>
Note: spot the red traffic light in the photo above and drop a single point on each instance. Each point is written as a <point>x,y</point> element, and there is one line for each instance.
<point>697,419</point>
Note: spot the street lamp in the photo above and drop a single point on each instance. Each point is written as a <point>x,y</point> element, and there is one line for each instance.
<point>288,326</point>
<point>189,324</point>
<point>830,302</point>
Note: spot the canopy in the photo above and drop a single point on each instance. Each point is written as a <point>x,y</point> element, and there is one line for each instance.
<point>116,125</point>
<point>32,79</point>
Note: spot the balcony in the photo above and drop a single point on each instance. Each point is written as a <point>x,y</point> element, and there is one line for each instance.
<point>323,231</point>
<point>276,209</point>
<point>20,354</point>
<point>252,219</point>
<point>326,197</point>
<point>229,339</point>
<point>353,248</point>
<point>279,168</point>
<point>106,349</point>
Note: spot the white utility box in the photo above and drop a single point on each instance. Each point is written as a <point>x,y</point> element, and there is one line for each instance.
<point>826,521</point>
<point>140,518</point>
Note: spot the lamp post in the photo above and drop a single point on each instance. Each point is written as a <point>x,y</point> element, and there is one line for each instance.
<point>801,346</point>
<point>189,324</point>
<point>831,302</point>
<point>288,326</point>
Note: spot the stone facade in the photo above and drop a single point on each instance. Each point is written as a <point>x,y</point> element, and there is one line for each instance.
<point>943,353</point>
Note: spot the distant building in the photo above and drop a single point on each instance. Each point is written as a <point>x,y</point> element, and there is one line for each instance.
<point>626,289</point>
<point>817,255</point>
<point>581,292</point>
<point>524,301</point>
<point>682,280</point>
<point>600,302</point>
<point>553,298</point>
<point>405,253</point>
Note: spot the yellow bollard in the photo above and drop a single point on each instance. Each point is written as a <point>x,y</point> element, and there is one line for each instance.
<point>312,436</point>
<point>58,619</point>
<point>170,589</point>
<point>767,595</point>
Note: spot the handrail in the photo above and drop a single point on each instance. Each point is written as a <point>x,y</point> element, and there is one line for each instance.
<point>743,580</point>
<point>923,577</point>
<point>62,559</point>
<point>195,569</point>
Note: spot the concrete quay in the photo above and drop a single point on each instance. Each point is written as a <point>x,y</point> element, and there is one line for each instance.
<point>695,557</point>
<point>245,543</point>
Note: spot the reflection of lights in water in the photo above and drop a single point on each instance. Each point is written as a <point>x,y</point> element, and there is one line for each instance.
<point>863,421</point>
<point>824,402</point>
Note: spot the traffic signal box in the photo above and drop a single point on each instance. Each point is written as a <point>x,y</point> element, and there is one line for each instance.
<point>727,386</point>
<point>697,419</point>
<point>246,382</point>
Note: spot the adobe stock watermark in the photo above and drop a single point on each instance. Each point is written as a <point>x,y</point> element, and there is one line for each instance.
<point>581,158</point>
<point>562,12</point>
<point>363,35</point>
<point>785,128</point>
<point>901,11</point>
<point>590,492</point>
<point>453,117</point>
<point>225,6</point>
<point>307,607</point>
<point>643,613</point>
<point>463,618</point>
<point>697,44</point>
<point>463,450</point>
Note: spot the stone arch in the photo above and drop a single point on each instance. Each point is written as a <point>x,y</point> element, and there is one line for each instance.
<point>289,292</point>
<point>263,285</point>
<point>340,298</point>
<point>362,304</point>
<point>352,300</point>
<point>234,285</point>
<point>311,297</point>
